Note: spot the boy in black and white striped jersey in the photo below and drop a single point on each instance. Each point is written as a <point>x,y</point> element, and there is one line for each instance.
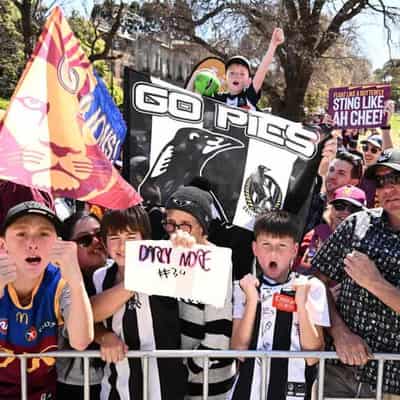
<point>279,311</point>
<point>134,321</point>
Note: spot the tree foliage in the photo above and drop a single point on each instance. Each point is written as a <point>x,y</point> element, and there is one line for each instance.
<point>11,49</point>
<point>32,14</point>
<point>312,28</point>
<point>390,72</point>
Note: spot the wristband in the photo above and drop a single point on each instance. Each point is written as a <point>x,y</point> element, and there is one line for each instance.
<point>388,127</point>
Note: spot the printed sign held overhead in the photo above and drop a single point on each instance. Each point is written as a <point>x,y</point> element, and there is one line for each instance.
<point>358,106</point>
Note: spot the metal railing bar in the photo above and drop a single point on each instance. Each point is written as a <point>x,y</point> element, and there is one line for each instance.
<point>199,353</point>
<point>205,354</point>
<point>24,385</point>
<point>321,376</point>
<point>86,387</point>
<point>379,382</point>
<point>145,377</point>
<point>264,367</point>
<point>205,377</point>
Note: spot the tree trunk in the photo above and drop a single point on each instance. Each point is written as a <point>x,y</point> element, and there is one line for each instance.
<point>27,31</point>
<point>297,76</point>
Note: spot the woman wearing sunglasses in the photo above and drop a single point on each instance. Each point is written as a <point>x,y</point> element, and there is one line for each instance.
<point>346,200</point>
<point>372,149</point>
<point>84,229</point>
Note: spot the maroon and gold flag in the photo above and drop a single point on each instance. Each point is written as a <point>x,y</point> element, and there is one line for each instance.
<point>47,135</point>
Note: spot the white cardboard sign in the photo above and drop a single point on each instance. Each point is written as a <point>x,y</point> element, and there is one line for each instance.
<point>199,273</point>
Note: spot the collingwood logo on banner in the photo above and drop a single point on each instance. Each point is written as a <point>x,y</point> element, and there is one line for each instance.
<point>22,318</point>
<point>262,193</point>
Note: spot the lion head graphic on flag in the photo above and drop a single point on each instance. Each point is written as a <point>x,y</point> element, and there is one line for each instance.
<point>47,138</point>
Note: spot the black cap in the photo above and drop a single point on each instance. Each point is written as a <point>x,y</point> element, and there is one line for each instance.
<point>194,201</point>
<point>30,208</point>
<point>389,158</point>
<point>238,60</point>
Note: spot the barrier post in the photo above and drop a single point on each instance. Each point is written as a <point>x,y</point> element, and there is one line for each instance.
<point>24,384</point>
<point>265,365</point>
<point>379,382</point>
<point>145,377</point>
<point>321,377</point>
<point>205,380</point>
<point>86,387</point>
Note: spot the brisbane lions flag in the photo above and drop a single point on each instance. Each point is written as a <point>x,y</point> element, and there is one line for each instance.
<point>255,161</point>
<point>62,130</point>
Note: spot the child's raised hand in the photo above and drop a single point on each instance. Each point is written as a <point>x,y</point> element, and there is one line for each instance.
<point>301,285</point>
<point>278,36</point>
<point>65,255</point>
<point>112,348</point>
<point>249,284</point>
<point>182,239</point>
<point>8,271</point>
<point>388,110</point>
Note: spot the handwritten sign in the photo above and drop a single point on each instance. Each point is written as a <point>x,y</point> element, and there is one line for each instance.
<point>200,273</point>
<point>358,107</point>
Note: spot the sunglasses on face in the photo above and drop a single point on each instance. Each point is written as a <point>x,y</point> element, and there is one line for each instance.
<point>171,226</point>
<point>393,178</point>
<point>343,205</point>
<point>372,149</point>
<point>87,240</point>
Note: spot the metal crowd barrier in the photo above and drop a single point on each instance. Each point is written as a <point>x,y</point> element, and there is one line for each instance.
<point>206,355</point>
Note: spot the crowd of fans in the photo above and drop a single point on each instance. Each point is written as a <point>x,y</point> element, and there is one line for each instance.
<point>332,285</point>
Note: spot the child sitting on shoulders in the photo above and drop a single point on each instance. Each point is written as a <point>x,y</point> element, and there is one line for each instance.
<point>243,91</point>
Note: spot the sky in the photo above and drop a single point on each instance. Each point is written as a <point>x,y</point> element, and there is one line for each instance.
<point>372,36</point>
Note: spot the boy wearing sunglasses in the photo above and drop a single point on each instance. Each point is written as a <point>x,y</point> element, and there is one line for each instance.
<point>363,255</point>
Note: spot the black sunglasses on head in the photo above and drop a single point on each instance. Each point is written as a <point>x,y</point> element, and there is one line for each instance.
<point>392,178</point>
<point>87,240</point>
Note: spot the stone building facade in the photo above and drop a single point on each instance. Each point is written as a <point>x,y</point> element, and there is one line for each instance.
<point>170,60</point>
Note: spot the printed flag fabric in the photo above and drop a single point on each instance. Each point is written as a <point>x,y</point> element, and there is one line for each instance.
<point>61,128</point>
<point>255,161</point>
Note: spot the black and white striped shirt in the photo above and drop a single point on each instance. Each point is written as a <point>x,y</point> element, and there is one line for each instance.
<point>143,323</point>
<point>277,330</point>
<point>205,327</point>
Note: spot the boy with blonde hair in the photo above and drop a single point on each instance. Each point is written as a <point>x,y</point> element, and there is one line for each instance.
<point>37,297</point>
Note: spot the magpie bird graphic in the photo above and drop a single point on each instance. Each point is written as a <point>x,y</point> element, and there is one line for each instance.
<point>185,157</point>
<point>263,192</point>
